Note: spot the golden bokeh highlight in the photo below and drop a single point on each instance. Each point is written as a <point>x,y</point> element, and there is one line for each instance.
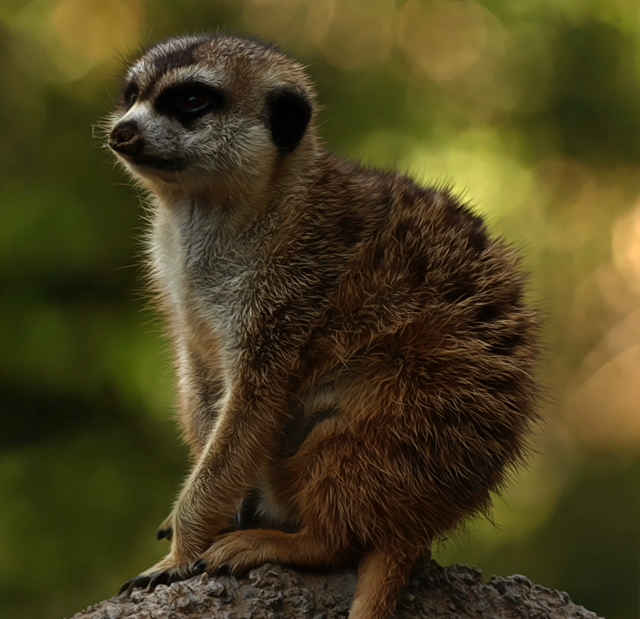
<point>626,247</point>
<point>571,226</point>
<point>605,409</point>
<point>602,404</point>
<point>361,34</point>
<point>91,28</point>
<point>275,21</point>
<point>320,16</point>
<point>91,32</point>
<point>267,18</point>
<point>443,37</point>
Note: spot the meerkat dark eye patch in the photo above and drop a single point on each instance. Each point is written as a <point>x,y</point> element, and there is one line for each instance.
<point>289,114</point>
<point>189,101</point>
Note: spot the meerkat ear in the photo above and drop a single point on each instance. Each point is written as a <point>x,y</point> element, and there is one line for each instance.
<point>289,115</point>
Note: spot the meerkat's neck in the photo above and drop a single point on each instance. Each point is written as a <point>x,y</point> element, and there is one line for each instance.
<point>236,199</point>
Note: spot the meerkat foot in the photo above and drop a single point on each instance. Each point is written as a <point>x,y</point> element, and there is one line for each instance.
<point>163,573</point>
<point>137,582</point>
<point>240,551</point>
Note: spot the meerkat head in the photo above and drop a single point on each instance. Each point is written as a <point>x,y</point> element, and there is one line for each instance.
<point>197,112</point>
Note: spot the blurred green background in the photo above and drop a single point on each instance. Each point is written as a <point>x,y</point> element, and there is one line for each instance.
<point>531,108</point>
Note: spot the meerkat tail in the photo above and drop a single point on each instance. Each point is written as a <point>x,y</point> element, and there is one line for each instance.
<point>382,574</point>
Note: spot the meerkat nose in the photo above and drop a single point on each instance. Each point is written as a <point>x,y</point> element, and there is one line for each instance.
<point>125,138</point>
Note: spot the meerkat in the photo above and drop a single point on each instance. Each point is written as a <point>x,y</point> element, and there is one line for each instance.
<point>355,358</point>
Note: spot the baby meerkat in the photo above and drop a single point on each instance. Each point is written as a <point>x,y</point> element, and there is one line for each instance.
<point>353,351</point>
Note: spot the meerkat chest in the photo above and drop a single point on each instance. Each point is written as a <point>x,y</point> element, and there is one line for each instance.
<point>204,274</point>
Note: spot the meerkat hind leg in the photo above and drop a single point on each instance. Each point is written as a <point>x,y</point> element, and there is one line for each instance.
<point>381,573</point>
<point>242,550</point>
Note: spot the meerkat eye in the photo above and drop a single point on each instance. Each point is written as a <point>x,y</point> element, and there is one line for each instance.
<point>130,95</point>
<point>192,102</point>
<point>186,102</point>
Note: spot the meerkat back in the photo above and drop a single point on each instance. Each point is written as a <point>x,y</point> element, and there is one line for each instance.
<point>354,353</point>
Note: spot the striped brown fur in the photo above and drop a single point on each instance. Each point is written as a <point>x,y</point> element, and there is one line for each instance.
<point>355,356</point>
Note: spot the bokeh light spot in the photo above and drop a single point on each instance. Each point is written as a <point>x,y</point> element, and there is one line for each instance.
<point>444,37</point>
<point>361,34</point>
<point>626,247</point>
<point>89,32</point>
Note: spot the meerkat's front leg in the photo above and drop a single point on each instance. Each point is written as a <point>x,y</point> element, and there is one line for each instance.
<point>186,537</point>
<point>201,394</point>
<point>228,466</point>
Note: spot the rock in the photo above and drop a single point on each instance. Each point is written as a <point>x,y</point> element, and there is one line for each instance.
<point>274,592</point>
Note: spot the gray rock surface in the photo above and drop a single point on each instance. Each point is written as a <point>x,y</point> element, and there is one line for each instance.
<point>274,592</point>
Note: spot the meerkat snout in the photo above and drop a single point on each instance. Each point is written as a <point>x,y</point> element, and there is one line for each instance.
<point>125,138</point>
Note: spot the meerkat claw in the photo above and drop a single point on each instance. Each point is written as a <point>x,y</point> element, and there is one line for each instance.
<point>162,578</point>
<point>138,582</point>
<point>199,566</point>
<point>164,533</point>
<point>224,570</point>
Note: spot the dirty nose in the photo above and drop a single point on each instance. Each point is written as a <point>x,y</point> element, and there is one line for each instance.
<point>125,138</point>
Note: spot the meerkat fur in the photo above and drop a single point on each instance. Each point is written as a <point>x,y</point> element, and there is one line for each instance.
<point>354,354</point>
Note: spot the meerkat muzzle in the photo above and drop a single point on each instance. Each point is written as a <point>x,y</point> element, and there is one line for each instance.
<point>125,139</point>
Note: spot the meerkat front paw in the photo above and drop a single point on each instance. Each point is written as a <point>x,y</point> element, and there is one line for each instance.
<point>234,553</point>
<point>163,573</point>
